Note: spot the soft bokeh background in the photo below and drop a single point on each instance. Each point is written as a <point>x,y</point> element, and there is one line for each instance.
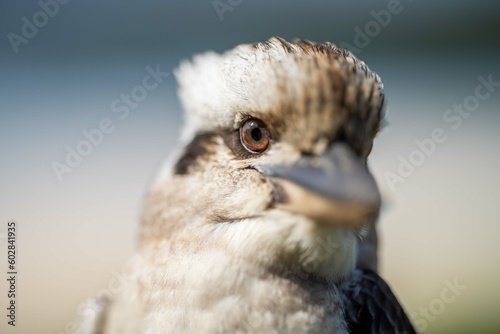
<point>442,223</point>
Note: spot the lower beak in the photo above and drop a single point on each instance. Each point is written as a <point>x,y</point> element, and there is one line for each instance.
<point>335,188</point>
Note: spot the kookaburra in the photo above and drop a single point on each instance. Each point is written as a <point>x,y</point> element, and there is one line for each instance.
<point>254,225</point>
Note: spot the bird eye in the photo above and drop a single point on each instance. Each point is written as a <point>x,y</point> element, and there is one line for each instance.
<point>254,136</point>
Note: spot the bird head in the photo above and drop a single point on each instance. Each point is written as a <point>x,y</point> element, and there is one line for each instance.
<point>272,169</point>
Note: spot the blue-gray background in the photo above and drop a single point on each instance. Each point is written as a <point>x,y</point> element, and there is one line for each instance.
<point>442,223</point>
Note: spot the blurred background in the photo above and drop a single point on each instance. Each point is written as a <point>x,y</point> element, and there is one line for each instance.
<point>441,221</point>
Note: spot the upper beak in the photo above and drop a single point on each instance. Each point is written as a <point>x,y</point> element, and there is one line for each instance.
<point>334,188</point>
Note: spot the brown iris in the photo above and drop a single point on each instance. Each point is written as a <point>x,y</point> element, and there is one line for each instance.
<point>254,136</point>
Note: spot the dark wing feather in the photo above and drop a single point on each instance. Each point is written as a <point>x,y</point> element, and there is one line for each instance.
<point>370,306</point>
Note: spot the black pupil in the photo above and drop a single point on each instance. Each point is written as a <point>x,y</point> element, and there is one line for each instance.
<point>256,134</point>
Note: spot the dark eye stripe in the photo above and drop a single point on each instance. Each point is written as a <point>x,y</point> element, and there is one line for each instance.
<point>198,148</point>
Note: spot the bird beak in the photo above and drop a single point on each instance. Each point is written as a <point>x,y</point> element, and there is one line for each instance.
<point>334,188</point>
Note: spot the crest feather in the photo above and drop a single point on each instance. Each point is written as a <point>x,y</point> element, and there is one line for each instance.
<point>215,88</point>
